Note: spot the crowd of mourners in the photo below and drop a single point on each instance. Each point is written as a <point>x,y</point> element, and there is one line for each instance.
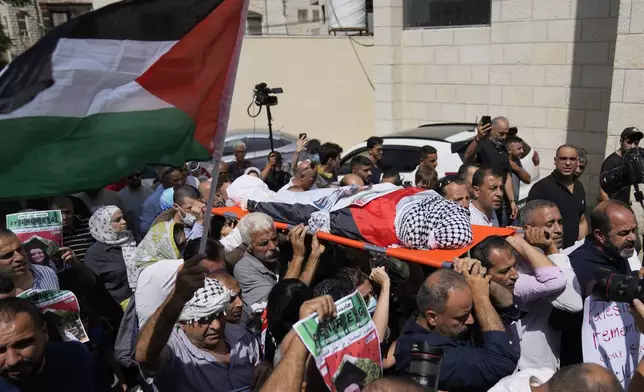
<point>162,316</point>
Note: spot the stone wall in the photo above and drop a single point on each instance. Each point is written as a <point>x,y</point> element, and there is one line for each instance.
<point>545,64</point>
<point>9,21</point>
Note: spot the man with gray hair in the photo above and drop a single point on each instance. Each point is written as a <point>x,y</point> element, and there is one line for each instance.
<point>540,342</point>
<point>488,149</point>
<point>258,270</point>
<point>446,304</point>
<point>187,346</point>
<point>236,169</point>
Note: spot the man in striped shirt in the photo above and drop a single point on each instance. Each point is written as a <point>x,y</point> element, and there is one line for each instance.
<point>76,235</point>
<point>14,264</point>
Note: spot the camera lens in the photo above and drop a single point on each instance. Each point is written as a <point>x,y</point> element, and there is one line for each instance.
<point>612,286</point>
<point>424,367</point>
<point>613,180</point>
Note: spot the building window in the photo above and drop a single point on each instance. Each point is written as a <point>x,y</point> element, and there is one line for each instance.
<point>23,30</point>
<point>315,16</point>
<point>302,15</point>
<point>59,18</point>
<point>435,13</point>
<point>253,23</point>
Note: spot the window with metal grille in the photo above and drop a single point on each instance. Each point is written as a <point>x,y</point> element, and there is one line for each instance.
<point>23,29</point>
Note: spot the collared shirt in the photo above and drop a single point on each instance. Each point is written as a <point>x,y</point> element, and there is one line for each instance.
<point>187,368</point>
<point>464,366</point>
<point>540,342</point>
<point>477,217</point>
<point>493,154</point>
<point>108,264</point>
<point>572,205</point>
<point>80,239</point>
<point>236,169</point>
<point>611,162</point>
<point>68,367</point>
<point>256,281</point>
<point>44,278</point>
<point>150,210</point>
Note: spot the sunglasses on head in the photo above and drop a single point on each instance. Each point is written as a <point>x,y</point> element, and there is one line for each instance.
<point>445,181</point>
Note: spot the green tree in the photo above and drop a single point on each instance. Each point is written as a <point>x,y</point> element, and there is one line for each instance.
<point>5,40</point>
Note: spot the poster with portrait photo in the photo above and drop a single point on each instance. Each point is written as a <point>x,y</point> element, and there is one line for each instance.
<point>41,233</point>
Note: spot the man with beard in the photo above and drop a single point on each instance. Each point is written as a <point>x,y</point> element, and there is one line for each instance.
<point>447,302</point>
<point>258,271</point>
<point>15,265</point>
<point>234,312</point>
<point>488,149</point>
<point>487,187</point>
<point>562,188</point>
<point>611,245</point>
<point>29,362</point>
<point>629,139</point>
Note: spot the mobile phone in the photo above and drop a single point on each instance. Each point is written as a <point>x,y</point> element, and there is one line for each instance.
<point>302,136</point>
<point>485,121</point>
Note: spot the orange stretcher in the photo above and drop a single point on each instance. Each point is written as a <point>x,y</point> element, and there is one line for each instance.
<point>437,258</point>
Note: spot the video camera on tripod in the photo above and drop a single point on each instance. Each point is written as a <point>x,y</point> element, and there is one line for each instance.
<point>264,96</point>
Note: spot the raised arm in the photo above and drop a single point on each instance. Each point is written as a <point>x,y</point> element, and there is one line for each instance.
<point>296,237</point>
<point>156,331</point>
<point>313,261</point>
<point>523,175</point>
<point>381,315</point>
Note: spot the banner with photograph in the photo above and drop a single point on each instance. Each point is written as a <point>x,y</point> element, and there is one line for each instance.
<point>346,348</point>
<point>62,308</point>
<point>41,233</point>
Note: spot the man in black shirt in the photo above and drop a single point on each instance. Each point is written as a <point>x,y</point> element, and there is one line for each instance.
<point>374,147</point>
<point>562,188</point>
<point>629,139</point>
<point>488,149</point>
<point>273,174</point>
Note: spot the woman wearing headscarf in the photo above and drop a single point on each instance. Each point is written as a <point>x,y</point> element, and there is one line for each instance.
<point>114,247</point>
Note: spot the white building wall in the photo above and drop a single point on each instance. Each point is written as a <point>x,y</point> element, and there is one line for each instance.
<point>547,65</point>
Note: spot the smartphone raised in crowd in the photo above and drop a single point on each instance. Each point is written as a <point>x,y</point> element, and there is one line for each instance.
<point>302,136</point>
<point>485,121</point>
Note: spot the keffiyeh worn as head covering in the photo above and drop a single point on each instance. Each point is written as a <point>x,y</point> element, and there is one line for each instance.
<point>427,221</point>
<point>212,298</point>
<point>167,199</point>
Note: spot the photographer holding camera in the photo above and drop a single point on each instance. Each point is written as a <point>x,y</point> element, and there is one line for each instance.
<point>629,139</point>
<point>448,301</point>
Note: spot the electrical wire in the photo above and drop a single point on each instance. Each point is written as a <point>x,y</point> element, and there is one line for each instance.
<point>351,40</point>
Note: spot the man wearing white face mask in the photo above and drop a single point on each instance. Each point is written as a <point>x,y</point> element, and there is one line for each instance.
<point>189,210</point>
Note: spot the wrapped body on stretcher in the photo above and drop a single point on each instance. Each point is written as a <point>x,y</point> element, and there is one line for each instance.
<point>384,215</point>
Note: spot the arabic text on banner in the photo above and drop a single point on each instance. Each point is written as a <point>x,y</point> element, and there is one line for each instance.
<point>346,348</point>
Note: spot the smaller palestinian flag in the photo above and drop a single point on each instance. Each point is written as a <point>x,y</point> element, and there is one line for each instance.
<point>137,82</point>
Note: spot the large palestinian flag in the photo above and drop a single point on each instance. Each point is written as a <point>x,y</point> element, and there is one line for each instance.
<point>137,82</point>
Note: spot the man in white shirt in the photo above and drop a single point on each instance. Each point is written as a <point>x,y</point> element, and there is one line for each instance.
<point>487,186</point>
<point>540,343</point>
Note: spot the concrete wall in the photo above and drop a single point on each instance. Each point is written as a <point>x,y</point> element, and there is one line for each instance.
<point>326,93</point>
<point>545,64</point>
<point>627,97</point>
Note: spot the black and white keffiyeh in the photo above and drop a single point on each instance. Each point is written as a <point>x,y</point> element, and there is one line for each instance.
<point>428,221</point>
<point>212,298</point>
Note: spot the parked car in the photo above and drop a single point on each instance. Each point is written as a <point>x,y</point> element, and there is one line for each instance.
<point>401,151</point>
<point>258,145</point>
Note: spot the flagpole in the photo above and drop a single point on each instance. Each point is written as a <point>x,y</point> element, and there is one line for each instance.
<point>222,126</point>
